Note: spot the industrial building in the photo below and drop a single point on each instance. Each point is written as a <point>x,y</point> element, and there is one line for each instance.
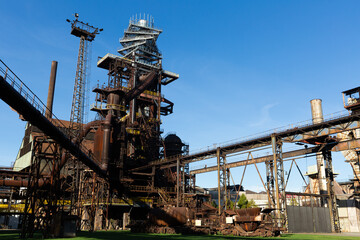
<point>121,171</point>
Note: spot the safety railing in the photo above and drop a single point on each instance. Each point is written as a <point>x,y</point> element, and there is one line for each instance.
<point>11,78</point>
<point>84,26</point>
<point>104,106</point>
<point>332,116</point>
<point>151,93</point>
<point>150,189</point>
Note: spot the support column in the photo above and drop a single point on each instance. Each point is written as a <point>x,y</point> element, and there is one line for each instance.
<point>219,184</point>
<point>334,215</point>
<point>280,199</point>
<point>224,179</point>
<point>177,182</point>
<point>153,177</point>
<point>132,104</point>
<point>126,220</point>
<point>183,185</point>
<point>270,182</point>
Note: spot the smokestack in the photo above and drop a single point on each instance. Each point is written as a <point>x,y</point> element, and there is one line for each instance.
<point>316,111</point>
<point>50,98</point>
<point>317,117</point>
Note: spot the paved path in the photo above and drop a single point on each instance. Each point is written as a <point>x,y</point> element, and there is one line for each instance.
<point>344,234</point>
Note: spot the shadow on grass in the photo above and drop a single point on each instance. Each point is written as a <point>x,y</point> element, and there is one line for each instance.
<point>15,234</point>
<point>109,235</point>
<point>127,235</point>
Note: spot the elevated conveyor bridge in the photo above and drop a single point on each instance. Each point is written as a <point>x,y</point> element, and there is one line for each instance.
<point>317,134</point>
<point>18,96</point>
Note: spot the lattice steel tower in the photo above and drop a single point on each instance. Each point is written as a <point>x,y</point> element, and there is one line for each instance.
<point>87,34</point>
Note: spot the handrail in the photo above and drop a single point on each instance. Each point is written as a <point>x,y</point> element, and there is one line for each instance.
<point>36,102</point>
<point>302,124</point>
<point>268,133</point>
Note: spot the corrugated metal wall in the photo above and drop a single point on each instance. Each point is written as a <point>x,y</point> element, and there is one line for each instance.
<point>308,219</point>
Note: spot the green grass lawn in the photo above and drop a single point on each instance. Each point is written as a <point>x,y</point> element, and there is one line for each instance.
<point>125,235</point>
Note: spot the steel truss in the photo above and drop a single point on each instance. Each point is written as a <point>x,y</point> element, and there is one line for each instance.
<point>87,34</point>
<point>270,182</point>
<point>223,180</point>
<point>44,199</point>
<point>73,170</point>
<point>280,198</point>
<point>94,200</point>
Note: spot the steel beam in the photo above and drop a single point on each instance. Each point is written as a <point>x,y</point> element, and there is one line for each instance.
<point>306,133</point>
<point>219,181</point>
<point>177,183</point>
<point>334,215</point>
<point>10,96</point>
<point>335,147</point>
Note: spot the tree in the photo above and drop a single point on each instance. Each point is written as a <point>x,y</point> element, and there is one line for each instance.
<point>213,203</point>
<point>229,204</point>
<point>293,202</point>
<point>245,203</point>
<point>251,204</point>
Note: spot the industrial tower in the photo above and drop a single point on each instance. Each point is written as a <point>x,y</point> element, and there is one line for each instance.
<point>87,34</point>
<point>132,104</point>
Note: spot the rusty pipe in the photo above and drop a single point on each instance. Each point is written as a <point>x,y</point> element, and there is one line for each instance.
<point>86,129</point>
<point>18,183</point>
<point>136,91</point>
<point>50,98</point>
<point>106,142</point>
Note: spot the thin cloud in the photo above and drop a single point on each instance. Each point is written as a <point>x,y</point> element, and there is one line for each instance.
<point>264,116</point>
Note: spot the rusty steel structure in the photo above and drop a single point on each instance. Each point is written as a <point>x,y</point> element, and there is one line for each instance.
<point>118,171</point>
<point>126,135</point>
<point>321,135</point>
<point>43,190</point>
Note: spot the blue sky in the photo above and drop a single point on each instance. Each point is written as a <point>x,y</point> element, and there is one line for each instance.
<point>245,66</point>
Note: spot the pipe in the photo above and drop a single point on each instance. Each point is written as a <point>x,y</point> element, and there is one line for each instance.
<point>18,183</point>
<point>85,130</point>
<point>50,98</point>
<point>317,117</point>
<point>136,91</point>
<point>219,186</point>
<point>106,142</point>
